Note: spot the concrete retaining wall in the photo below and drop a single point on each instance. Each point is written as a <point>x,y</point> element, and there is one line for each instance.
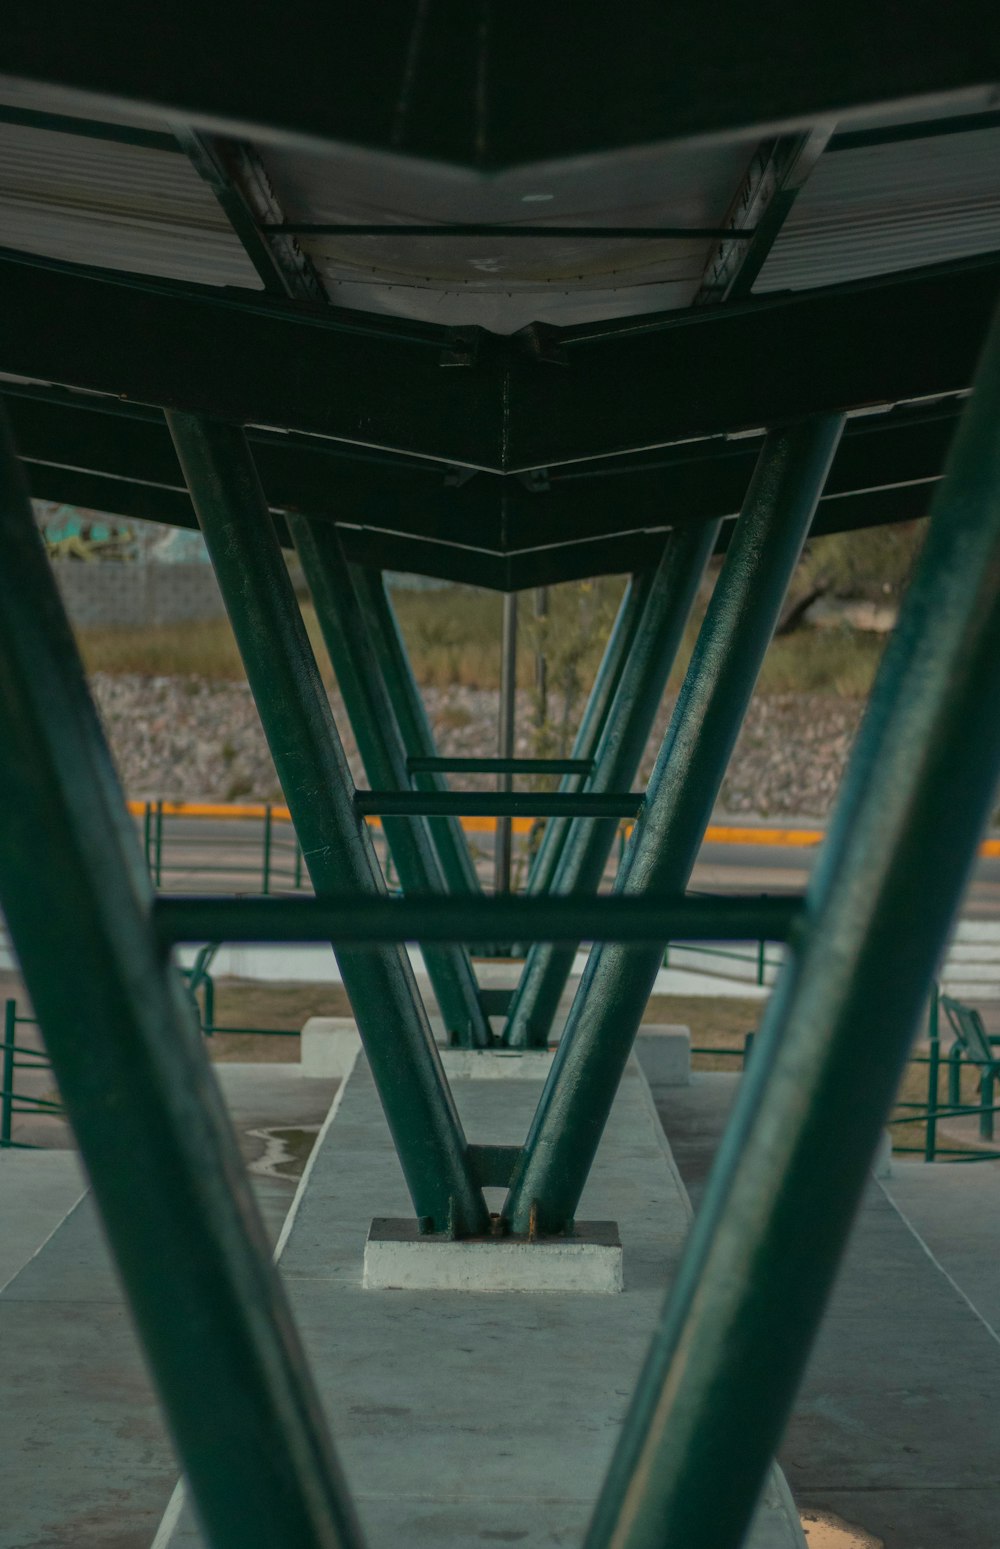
<point>127,594</point>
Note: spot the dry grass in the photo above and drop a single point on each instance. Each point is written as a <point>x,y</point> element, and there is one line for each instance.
<point>205,649</point>
<point>454,638</point>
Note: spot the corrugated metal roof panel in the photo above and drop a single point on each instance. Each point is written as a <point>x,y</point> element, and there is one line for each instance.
<point>880,208</point>
<point>117,206</point>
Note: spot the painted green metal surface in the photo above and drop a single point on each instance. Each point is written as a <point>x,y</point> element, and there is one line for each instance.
<point>312,767</point>
<point>630,385</point>
<point>514,766</point>
<point>592,723</point>
<point>369,921</point>
<point>384,757</point>
<point>415,728</point>
<point>652,649</point>
<point>598,804</point>
<point>689,771</point>
<point>740,1318</point>
<point>145,1108</point>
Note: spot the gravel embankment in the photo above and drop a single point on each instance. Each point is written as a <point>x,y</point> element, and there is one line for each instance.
<point>191,739</point>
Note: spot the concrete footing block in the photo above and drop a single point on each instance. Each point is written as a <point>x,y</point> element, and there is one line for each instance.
<point>496,1064</point>
<point>330,1046</point>
<point>664,1052</point>
<point>398,1257</point>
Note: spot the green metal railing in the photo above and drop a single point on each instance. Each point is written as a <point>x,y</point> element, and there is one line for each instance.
<point>268,856</point>
<point>930,1111</point>
<point>16,1056</point>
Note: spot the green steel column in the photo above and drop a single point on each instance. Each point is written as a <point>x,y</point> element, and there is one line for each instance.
<point>736,1329</point>
<point>577,1098</point>
<point>418,738</point>
<point>142,1098</point>
<point>592,723</point>
<point>312,768</point>
<point>384,757</point>
<point>644,675</point>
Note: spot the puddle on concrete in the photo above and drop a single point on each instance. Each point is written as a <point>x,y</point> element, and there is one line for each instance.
<point>825,1531</point>
<point>286,1151</point>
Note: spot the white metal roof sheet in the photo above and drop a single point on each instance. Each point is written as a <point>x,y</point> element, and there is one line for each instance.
<point>118,206</point>
<point>875,209</point>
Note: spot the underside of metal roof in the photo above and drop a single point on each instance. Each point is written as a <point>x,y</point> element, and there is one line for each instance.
<point>488,339</point>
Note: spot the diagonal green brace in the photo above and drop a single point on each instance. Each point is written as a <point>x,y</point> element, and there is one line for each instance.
<point>588,736</point>
<point>415,729</point>
<point>689,770</point>
<point>384,756</point>
<point>143,1101</point>
<point>645,670</point>
<point>336,846</point>
<point>737,1327</point>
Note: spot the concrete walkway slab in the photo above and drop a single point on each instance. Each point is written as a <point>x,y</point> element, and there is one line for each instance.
<point>896,1428</point>
<point>85,1461</point>
<point>38,1189</point>
<point>476,1419</point>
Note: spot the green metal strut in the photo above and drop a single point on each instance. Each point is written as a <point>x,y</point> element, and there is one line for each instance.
<point>738,1324</point>
<point>336,845</point>
<point>381,747</point>
<point>645,670</point>
<point>415,729</point>
<point>588,736</point>
<point>152,1128</point>
<point>616,984</point>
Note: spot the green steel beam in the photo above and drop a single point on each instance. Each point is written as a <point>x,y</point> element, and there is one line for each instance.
<point>384,756</point>
<point>626,386</point>
<point>644,676</point>
<point>367,922</point>
<point>514,766</point>
<point>238,178</point>
<point>777,175</point>
<point>415,728</point>
<point>336,846</point>
<point>401,495</point>
<point>611,804</point>
<point>736,1330</point>
<point>685,782</point>
<point>592,722</point>
<point>328,75</point>
<point>543,567</point>
<point>145,1108</point>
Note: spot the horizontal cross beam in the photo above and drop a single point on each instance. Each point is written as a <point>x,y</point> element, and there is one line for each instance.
<point>377,383</point>
<point>470,804</point>
<point>515,766</point>
<point>368,922</point>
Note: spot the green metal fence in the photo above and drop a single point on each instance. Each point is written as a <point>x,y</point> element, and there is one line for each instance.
<point>17,1056</point>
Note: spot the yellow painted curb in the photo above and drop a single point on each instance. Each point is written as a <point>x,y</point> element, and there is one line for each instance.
<point>724,833</point>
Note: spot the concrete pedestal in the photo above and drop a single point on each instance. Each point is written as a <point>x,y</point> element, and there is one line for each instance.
<point>460,1418</point>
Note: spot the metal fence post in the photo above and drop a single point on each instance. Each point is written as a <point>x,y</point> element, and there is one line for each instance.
<point>933,1073</point>
<point>9,1040</point>
<point>763,1252</point>
<point>312,767</point>
<point>505,737</point>
<point>617,981</point>
<point>158,846</point>
<point>645,670</point>
<point>266,869</point>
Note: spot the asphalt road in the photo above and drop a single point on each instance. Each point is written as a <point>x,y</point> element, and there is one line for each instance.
<point>204,855</point>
